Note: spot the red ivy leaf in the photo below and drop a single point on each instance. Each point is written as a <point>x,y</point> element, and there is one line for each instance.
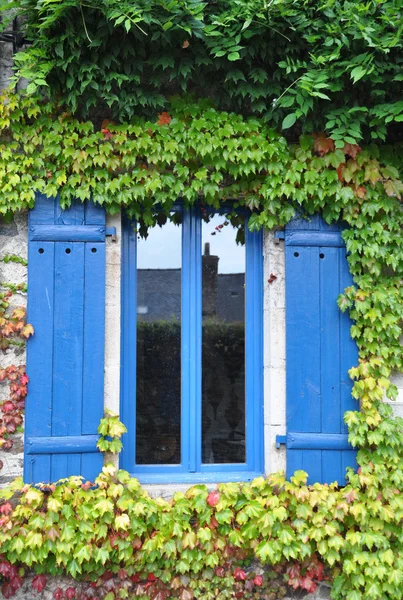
<point>308,585</point>
<point>58,594</point>
<point>351,150</point>
<point>213,523</point>
<point>106,133</point>
<point>164,119</point>
<point>340,170</point>
<point>6,508</point>
<point>8,590</point>
<point>323,144</point>
<point>213,498</point>
<point>239,574</point>
<point>360,191</point>
<point>16,580</point>
<point>161,595</point>
<point>294,582</point>
<point>39,583</point>
<point>5,568</point>
<point>350,496</point>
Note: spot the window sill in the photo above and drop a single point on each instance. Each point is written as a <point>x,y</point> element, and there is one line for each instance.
<point>193,478</point>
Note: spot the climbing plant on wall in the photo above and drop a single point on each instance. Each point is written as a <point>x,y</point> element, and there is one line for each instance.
<point>14,331</point>
<point>301,66</point>
<point>306,66</point>
<point>202,155</point>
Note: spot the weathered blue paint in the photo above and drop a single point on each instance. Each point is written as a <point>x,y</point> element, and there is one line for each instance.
<point>62,445</point>
<point>317,441</point>
<point>319,351</point>
<point>67,233</point>
<point>65,357</point>
<point>191,468</point>
<point>312,238</point>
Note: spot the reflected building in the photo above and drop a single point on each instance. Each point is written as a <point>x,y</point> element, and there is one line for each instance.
<point>159,292</point>
<point>158,388</point>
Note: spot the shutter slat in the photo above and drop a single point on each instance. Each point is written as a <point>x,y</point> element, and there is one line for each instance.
<point>319,352</point>
<point>65,362</point>
<point>38,411</point>
<point>68,339</point>
<point>329,269</point>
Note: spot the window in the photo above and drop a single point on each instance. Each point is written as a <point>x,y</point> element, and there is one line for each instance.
<point>192,365</point>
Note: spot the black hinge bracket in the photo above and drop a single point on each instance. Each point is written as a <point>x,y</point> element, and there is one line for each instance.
<point>279,235</point>
<point>111,231</point>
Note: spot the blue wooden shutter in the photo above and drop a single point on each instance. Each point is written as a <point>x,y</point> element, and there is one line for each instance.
<point>65,357</point>
<point>319,352</point>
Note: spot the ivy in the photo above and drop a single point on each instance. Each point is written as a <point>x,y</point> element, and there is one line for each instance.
<point>192,152</point>
<point>204,542</point>
<point>15,259</point>
<point>110,430</point>
<point>305,66</point>
<point>199,154</point>
<point>13,329</point>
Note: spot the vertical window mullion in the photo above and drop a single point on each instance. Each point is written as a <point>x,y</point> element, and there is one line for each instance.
<point>186,342</point>
<point>191,341</point>
<point>129,344</point>
<point>254,349</point>
<point>196,400</point>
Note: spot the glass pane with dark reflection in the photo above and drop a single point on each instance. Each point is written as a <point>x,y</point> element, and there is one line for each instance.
<point>158,387</point>
<point>223,338</point>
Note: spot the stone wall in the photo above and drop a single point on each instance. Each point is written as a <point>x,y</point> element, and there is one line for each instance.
<point>27,593</point>
<point>13,240</point>
<point>6,61</point>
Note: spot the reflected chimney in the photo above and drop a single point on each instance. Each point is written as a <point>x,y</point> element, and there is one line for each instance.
<point>209,282</point>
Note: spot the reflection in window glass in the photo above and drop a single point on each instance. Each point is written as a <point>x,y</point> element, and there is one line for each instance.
<point>223,351</point>
<point>158,394</point>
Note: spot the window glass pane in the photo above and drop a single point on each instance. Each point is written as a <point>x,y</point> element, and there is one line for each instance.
<point>223,338</point>
<point>158,394</point>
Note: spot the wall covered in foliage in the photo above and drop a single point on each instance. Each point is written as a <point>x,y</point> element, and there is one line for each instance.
<point>98,120</point>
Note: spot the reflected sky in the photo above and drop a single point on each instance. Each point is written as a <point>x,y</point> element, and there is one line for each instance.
<point>221,244</point>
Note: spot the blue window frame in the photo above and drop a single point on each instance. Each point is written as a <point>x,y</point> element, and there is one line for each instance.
<point>190,466</point>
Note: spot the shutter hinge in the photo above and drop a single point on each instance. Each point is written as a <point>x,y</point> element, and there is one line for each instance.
<point>278,235</point>
<point>281,440</point>
<point>111,231</point>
